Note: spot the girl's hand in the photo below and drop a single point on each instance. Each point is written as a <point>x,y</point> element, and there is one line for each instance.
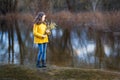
<point>48,32</point>
<point>43,36</point>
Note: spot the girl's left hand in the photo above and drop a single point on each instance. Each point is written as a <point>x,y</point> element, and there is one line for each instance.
<point>48,32</point>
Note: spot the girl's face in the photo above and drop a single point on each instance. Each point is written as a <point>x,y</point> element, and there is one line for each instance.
<point>43,18</point>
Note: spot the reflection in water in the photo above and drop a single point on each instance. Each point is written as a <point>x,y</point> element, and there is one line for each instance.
<point>82,51</point>
<point>4,47</point>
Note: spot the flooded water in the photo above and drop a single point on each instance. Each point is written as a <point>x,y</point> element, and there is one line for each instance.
<point>78,47</point>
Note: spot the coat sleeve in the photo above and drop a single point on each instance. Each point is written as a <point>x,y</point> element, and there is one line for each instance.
<point>35,33</point>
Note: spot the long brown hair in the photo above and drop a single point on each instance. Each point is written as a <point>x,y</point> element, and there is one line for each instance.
<point>38,18</point>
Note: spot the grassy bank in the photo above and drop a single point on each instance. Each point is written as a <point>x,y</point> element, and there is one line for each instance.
<point>15,72</point>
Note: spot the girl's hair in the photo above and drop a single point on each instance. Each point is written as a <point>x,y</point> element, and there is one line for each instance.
<point>38,18</point>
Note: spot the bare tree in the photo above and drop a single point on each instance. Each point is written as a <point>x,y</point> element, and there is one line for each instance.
<point>99,50</point>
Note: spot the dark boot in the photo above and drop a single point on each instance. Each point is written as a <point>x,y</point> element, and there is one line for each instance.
<point>38,64</point>
<point>44,63</point>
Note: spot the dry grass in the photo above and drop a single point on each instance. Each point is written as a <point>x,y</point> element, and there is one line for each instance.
<point>13,72</point>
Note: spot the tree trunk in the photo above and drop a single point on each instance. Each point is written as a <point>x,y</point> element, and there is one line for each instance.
<point>20,42</point>
<point>70,5</point>
<point>99,51</point>
<point>12,45</point>
<point>9,46</point>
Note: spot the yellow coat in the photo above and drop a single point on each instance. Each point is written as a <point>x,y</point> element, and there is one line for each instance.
<point>38,32</point>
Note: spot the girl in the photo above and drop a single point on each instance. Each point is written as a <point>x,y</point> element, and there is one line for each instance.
<point>41,38</point>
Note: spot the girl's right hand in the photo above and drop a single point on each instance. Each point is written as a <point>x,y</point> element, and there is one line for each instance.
<point>43,36</point>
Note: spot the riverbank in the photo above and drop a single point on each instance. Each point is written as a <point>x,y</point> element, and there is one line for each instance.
<point>16,72</point>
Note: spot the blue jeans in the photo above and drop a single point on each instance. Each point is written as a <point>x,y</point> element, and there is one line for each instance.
<point>42,52</point>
